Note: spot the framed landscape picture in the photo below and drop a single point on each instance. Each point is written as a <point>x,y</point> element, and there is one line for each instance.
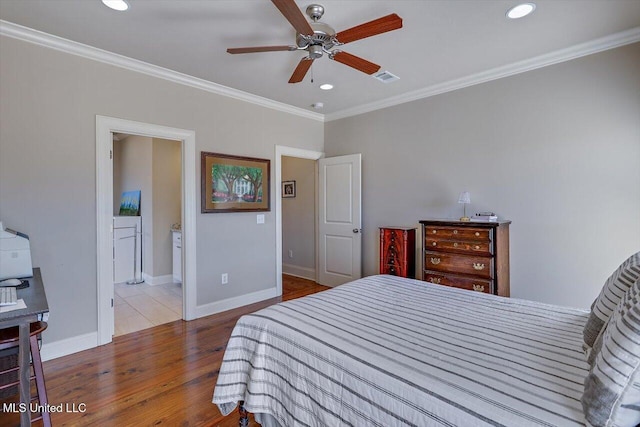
<point>234,183</point>
<point>130,203</point>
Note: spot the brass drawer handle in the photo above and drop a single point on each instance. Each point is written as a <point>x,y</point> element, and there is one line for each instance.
<point>478,266</point>
<point>434,244</point>
<point>435,280</point>
<point>455,245</point>
<point>434,231</point>
<point>477,234</point>
<point>455,231</point>
<point>476,247</point>
<point>479,288</point>
<point>435,261</point>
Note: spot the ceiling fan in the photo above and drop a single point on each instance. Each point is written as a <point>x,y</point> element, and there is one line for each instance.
<point>318,38</point>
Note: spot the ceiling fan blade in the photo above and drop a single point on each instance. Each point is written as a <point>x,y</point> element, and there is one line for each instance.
<point>355,62</point>
<point>372,28</point>
<point>290,10</point>
<point>235,50</point>
<point>301,70</point>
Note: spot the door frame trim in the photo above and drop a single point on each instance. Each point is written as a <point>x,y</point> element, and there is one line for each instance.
<point>105,126</point>
<point>300,153</point>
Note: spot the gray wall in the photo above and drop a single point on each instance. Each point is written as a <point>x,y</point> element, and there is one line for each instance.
<point>298,218</point>
<point>555,150</point>
<point>48,104</point>
<point>132,170</point>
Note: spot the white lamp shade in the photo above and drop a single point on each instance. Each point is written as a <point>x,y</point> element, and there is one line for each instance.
<point>465,197</point>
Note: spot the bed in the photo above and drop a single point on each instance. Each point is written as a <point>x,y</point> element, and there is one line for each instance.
<point>387,351</point>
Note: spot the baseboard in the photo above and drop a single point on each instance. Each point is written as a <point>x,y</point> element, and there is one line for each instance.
<point>53,350</point>
<point>235,302</point>
<point>297,271</point>
<point>67,346</point>
<point>157,280</point>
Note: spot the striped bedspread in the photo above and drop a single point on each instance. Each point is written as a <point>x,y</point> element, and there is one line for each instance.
<point>386,351</point>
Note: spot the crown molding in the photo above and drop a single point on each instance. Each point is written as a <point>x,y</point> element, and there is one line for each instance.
<point>594,46</point>
<point>30,35</point>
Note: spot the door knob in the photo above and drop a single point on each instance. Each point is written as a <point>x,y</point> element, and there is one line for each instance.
<point>357,230</point>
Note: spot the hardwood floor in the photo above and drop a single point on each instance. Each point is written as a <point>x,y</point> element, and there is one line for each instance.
<point>163,375</point>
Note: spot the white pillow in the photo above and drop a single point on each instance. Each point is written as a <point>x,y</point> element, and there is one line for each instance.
<point>613,290</point>
<point>612,388</point>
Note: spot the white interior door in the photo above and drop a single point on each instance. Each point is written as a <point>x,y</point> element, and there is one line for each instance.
<point>340,219</point>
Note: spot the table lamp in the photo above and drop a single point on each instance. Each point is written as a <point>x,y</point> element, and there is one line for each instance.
<point>464,198</point>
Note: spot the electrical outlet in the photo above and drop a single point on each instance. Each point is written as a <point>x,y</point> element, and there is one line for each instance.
<point>225,278</point>
<point>290,253</point>
<point>260,219</point>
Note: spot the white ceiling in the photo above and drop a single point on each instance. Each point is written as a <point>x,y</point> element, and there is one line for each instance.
<point>441,41</point>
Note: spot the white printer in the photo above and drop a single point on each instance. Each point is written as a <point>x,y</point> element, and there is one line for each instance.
<point>15,255</point>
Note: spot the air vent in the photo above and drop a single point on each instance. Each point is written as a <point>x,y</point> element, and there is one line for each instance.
<point>386,77</point>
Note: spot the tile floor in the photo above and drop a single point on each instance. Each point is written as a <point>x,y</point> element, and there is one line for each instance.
<point>142,306</point>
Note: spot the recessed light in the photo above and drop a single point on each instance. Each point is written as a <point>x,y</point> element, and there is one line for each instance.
<point>326,86</point>
<point>521,10</point>
<point>317,105</point>
<point>119,5</point>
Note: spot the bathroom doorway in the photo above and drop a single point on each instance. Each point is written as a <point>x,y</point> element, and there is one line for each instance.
<point>147,243</point>
<point>105,128</point>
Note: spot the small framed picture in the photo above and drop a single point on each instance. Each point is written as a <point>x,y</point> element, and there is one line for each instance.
<point>288,189</point>
<point>130,203</point>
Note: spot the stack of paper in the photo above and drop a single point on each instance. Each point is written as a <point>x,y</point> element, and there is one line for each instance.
<point>485,216</point>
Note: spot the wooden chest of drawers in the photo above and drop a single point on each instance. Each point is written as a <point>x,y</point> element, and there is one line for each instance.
<point>468,255</point>
<point>398,251</point>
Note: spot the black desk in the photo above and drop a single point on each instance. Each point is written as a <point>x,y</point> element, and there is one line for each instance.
<point>36,300</point>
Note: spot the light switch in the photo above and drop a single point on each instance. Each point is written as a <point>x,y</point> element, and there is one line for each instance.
<point>260,218</point>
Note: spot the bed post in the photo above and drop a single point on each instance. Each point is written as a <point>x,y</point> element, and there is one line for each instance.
<point>243,415</point>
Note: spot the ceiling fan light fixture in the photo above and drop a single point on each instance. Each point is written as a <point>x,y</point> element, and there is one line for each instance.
<point>326,86</point>
<point>119,5</point>
<point>521,10</point>
<point>315,51</point>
